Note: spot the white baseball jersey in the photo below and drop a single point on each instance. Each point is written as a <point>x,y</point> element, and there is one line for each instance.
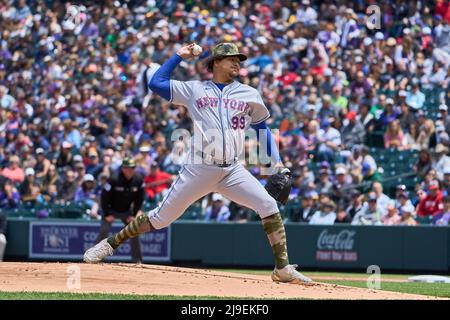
<point>220,116</point>
<point>143,80</point>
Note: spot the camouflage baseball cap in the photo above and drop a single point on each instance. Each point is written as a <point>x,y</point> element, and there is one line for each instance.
<point>225,49</point>
<point>128,162</point>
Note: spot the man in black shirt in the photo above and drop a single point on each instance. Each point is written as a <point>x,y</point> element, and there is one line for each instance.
<point>307,209</point>
<point>65,156</point>
<point>356,205</point>
<point>122,198</point>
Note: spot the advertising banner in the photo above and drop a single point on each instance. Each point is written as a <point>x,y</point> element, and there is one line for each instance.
<point>60,240</point>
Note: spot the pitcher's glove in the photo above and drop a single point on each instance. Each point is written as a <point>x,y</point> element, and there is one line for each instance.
<point>279,185</point>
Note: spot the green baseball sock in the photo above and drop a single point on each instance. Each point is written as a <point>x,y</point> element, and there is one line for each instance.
<point>139,225</point>
<point>274,228</point>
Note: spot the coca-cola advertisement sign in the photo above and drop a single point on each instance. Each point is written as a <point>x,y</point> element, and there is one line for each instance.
<point>336,246</point>
<point>336,241</point>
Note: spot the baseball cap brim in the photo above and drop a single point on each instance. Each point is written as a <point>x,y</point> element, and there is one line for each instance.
<point>242,57</point>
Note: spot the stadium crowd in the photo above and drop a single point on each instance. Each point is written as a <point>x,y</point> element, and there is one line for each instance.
<point>343,93</point>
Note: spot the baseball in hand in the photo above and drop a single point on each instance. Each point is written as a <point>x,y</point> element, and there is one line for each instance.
<point>196,50</point>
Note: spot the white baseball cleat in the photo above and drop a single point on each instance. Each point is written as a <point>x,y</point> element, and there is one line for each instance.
<point>98,252</point>
<point>289,274</point>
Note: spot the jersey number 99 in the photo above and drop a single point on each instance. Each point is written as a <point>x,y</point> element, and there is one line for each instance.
<point>238,122</point>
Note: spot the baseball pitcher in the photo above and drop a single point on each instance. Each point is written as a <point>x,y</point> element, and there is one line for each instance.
<point>221,110</point>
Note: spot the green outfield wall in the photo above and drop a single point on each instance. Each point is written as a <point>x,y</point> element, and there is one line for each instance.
<point>424,248</point>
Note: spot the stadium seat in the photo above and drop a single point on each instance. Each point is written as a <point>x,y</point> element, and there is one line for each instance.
<point>375,139</point>
<point>71,210</point>
<point>424,220</point>
<point>291,206</point>
<point>194,212</point>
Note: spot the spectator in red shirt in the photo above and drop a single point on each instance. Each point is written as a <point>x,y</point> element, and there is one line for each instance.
<point>157,181</point>
<point>432,203</point>
<point>441,8</point>
<point>287,77</point>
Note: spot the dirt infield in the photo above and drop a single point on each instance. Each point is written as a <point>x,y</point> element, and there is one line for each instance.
<point>163,280</point>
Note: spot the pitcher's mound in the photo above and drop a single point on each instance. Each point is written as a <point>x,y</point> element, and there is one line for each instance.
<point>162,280</point>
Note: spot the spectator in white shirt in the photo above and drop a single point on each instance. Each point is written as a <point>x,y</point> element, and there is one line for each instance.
<point>402,200</point>
<point>382,199</point>
<point>445,117</point>
<point>441,160</point>
<point>442,137</point>
<point>415,99</point>
<point>306,14</point>
<point>6,100</point>
<point>438,74</point>
<point>350,28</point>
<point>370,214</point>
<point>217,211</point>
<point>326,215</point>
<point>329,142</point>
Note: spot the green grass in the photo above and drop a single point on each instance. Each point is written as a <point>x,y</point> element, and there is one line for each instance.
<point>357,275</point>
<point>99,296</point>
<point>428,289</point>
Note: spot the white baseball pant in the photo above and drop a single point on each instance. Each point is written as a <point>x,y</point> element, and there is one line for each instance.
<point>197,180</point>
